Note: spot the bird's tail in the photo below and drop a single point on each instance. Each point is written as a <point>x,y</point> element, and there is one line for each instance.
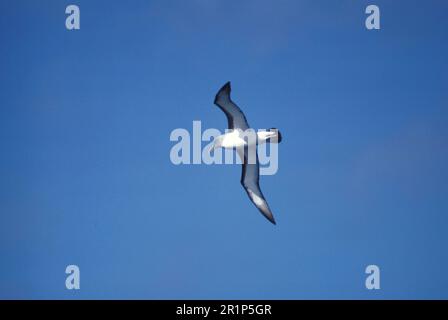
<point>277,138</point>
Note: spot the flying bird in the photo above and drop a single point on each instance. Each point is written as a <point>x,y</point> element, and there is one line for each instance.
<point>239,137</point>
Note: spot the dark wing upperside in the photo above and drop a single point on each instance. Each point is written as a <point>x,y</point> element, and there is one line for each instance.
<point>235,117</point>
<point>250,177</point>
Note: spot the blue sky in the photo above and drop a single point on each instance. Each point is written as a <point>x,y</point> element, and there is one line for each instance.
<point>86,177</point>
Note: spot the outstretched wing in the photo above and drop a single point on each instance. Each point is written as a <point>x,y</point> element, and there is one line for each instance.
<point>235,117</point>
<point>250,180</point>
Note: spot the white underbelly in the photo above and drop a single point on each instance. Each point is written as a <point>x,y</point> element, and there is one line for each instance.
<point>232,140</point>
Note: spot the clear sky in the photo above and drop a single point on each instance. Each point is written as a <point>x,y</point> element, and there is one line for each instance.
<point>86,177</point>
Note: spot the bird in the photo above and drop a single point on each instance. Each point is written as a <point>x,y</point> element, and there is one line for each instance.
<point>245,140</point>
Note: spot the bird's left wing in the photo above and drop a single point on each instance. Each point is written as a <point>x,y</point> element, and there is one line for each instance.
<point>250,177</point>
<point>235,117</point>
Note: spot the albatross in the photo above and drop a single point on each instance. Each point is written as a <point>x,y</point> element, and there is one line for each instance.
<point>239,137</point>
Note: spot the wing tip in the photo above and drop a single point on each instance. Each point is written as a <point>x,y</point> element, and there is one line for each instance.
<point>270,217</point>
<point>226,88</point>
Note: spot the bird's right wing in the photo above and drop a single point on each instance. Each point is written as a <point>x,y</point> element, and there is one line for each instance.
<point>235,117</point>
<point>250,177</point>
